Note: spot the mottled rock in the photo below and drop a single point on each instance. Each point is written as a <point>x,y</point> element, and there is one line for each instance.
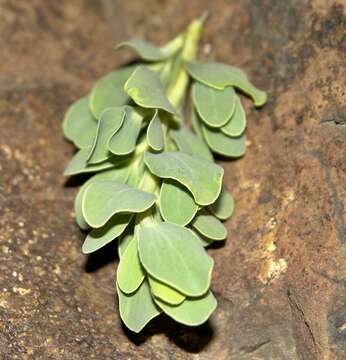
<point>280,278</point>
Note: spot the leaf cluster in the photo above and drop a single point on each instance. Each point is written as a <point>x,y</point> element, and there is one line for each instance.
<point>155,186</point>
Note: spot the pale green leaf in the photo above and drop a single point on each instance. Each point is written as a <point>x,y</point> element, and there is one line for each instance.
<point>209,226</point>
<point>124,141</point>
<point>237,124</point>
<point>105,198</point>
<point>203,178</point>
<point>225,145</point>
<point>176,203</point>
<point>123,242</point>
<point>79,164</point>
<point>79,126</point>
<point>219,76</point>
<point>138,308</point>
<point>191,312</point>
<point>173,255</point>
<point>155,136</point>
<point>110,122</point>
<point>130,273</point>
<point>215,107</point>
<point>146,90</point>
<point>223,207</point>
<point>109,91</point>
<point>191,144</point>
<point>119,174</point>
<point>165,293</point>
<point>196,124</point>
<point>97,238</point>
<point>146,50</point>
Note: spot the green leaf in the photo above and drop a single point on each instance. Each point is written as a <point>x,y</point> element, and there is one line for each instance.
<point>138,308</point>
<point>209,226</point>
<point>165,293</point>
<point>105,198</point>
<point>223,207</point>
<point>146,90</point>
<point>173,255</point>
<point>223,144</point>
<point>109,91</point>
<point>97,238</point>
<point>123,242</point>
<point>110,121</point>
<point>79,164</point>
<point>124,141</point>
<point>191,312</point>
<point>146,50</point>
<point>219,76</point>
<point>191,144</point>
<point>237,124</point>
<point>215,107</point>
<point>79,125</point>
<point>119,174</point>
<point>176,203</point>
<point>200,176</point>
<point>196,124</point>
<point>130,273</point>
<point>155,136</point>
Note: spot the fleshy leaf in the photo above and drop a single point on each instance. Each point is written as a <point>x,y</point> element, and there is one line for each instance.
<point>237,124</point>
<point>209,226</point>
<point>173,255</point>
<point>124,141</point>
<point>110,122</point>
<point>109,91</point>
<point>138,308</point>
<point>155,134</point>
<point>165,293</point>
<point>119,174</point>
<point>176,203</point>
<point>146,50</point>
<point>219,76</point>
<point>215,107</point>
<point>105,198</point>
<point>130,273</point>
<point>223,207</point>
<point>97,238</point>
<point>79,164</point>
<point>79,125</point>
<point>146,90</point>
<point>123,242</point>
<point>191,144</point>
<point>191,312</point>
<point>203,178</point>
<point>223,144</point>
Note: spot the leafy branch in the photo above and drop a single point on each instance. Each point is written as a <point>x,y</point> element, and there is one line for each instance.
<point>155,186</point>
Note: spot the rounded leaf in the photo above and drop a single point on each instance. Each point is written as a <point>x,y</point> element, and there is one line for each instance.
<point>79,126</point>
<point>203,178</point>
<point>176,203</point>
<point>209,226</point>
<point>173,255</point>
<point>109,91</point>
<point>224,205</point>
<point>130,273</point>
<point>155,135</point>
<point>219,76</point>
<point>237,124</point>
<point>138,308</point>
<point>165,292</point>
<point>215,107</point>
<point>192,311</point>
<point>105,198</point>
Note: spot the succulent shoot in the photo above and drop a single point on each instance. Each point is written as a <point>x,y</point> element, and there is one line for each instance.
<point>155,186</point>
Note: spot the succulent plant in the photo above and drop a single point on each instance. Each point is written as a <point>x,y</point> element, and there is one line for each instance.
<point>155,186</point>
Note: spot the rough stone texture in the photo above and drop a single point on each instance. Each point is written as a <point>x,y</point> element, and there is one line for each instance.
<point>280,279</point>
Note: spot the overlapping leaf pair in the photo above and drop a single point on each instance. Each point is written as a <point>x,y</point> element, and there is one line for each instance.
<point>155,187</point>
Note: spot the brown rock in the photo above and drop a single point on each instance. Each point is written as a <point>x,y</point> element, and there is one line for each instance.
<point>281,277</point>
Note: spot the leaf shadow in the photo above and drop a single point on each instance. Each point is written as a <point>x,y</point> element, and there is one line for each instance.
<point>190,339</point>
<point>102,257</point>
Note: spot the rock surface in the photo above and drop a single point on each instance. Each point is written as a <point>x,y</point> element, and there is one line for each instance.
<point>280,279</point>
